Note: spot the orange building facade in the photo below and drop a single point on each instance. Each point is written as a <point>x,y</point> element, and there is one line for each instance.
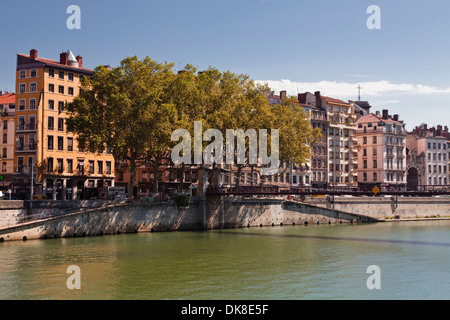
<point>42,143</point>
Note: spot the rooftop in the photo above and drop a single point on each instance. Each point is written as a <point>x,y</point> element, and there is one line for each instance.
<point>67,61</point>
<point>8,98</point>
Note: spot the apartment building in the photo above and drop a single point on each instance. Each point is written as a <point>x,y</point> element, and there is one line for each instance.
<point>7,144</point>
<point>342,152</point>
<point>431,144</point>
<point>43,144</point>
<point>319,151</point>
<point>381,150</point>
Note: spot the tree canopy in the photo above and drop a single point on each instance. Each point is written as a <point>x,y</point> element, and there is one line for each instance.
<point>134,108</point>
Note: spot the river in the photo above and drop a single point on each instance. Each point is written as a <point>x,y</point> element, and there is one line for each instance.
<point>271,263</point>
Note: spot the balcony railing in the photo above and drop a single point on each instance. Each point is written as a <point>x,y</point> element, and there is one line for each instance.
<point>29,126</point>
<point>30,147</point>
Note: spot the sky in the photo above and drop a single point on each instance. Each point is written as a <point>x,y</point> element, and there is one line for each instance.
<point>293,45</point>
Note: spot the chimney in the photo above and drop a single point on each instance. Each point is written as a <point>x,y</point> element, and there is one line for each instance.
<point>33,54</point>
<point>385,114</point>
<point>378,113</point>
<point>283,94</point>
<point>80,61</point>
<point>64,58</point>
<point>302,98</point>
<point>318,99</point>
<point>395,117</point>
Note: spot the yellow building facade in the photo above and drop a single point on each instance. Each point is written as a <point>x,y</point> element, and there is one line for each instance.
<point>43,144</point>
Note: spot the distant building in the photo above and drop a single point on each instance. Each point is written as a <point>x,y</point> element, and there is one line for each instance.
<point>7,144</point>
<point>381,150</point>
<point>342,153</point>
<point>428,156</point>
<point>319,151</point>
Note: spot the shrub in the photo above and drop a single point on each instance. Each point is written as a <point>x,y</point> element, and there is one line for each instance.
<point>181,200</point>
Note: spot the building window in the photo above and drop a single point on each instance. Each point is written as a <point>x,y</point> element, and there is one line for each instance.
<point>33,87</point>
<point>365,164</point>
<point>51,73</point>
<point>108,167</point>
<point>69,144</point>
<point>374,164</point>
<point>51,87</point>
<point>23,74</point>
<point>33,73</point>
<point>50,164</point>
<point>60,165</point>
<point>21,124</point>
<point>22,88</point>
<point>5,153</point>
<point>4,167</point>
<point>60,124</point>
<point>100,167</point>
<point>61,143</point>
<point>5,138</point>
<point>61,89</point>
<point>365,176</point>
<point>60,106</point>
<point>91,166</point>
<point>22,105</point>
<point>375,177</point>
<point>5,124</point>
<point>70,76</point>
<point>50,142</point>
<point>81,167</point>
<point>51,123</point>
<point>51,104</point>
<point>70,90</point>
<point>32,104</point>
<point>69,165</point>
<point>61,75</point>
<point>364,140</point>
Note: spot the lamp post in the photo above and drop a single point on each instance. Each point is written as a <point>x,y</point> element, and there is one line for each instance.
<point>31,186</point>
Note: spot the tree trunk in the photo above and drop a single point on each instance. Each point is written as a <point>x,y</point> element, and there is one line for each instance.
<point>155,174</point>
<point>132,177</point>
<point>181,184</point>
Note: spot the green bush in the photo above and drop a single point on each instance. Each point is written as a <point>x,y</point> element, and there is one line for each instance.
<point>181,200</point>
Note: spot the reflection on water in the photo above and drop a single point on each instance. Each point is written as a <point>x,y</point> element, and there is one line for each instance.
<point>298,262</point>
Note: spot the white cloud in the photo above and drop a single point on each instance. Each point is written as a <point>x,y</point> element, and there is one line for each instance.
<point>349,90</point>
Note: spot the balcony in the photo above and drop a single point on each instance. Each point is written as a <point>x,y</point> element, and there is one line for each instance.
<point>23,170</point>
<point>25,148</point>
<point>29,126</point>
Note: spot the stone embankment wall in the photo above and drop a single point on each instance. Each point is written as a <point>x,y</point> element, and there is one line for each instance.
<point>389,208</point>
<point>215,213</point>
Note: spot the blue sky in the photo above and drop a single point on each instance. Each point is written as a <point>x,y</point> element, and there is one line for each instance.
<point>291,44</point>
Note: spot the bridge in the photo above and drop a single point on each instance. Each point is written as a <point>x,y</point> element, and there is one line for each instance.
<point>380,190</point>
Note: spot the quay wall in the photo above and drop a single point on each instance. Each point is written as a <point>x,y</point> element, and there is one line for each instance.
<point>213,213</point>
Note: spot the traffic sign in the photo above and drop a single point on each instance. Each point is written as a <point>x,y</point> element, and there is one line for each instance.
<point>376,190</point>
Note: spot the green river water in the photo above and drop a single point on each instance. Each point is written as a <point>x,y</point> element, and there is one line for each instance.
<point>275,263</point>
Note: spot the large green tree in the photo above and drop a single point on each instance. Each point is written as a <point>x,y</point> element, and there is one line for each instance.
<point>126,109</point>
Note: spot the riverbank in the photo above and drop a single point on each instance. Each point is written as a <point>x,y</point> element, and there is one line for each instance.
<point>212,213</point>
